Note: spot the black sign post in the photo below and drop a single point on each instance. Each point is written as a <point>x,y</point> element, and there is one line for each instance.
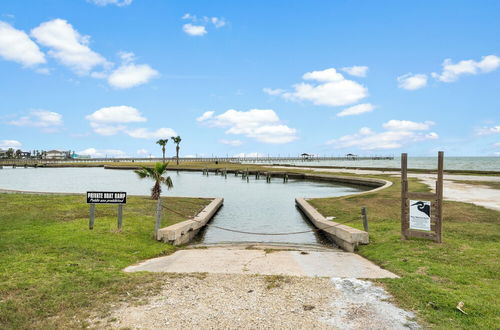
<point>106,197</point>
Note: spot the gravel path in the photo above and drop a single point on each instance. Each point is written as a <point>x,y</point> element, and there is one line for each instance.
<point>220,301</point>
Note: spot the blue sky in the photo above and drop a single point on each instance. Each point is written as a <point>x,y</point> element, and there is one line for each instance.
<point>110,77</point>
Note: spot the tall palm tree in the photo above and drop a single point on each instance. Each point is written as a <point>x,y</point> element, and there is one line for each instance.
<point>163,143</point>
<point>177,139</point>
<point>156,173</point>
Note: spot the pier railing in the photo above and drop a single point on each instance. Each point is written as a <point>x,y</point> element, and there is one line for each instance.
<point>35,162</point>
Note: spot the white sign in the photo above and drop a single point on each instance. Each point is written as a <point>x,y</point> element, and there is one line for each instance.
<point>420,215</point>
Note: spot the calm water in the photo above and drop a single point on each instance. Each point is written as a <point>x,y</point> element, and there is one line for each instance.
<point>450,163</point>
<point>255,206</point>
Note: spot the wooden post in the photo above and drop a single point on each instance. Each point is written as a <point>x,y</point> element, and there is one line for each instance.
<point>120,216</point>
<point>439,194</point>
<point>91,216</point>
<point>365,218</point>
<point>404,198</point>
<point>158,218</point>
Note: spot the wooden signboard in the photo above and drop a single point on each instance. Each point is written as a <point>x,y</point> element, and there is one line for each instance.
<point>421,213</point>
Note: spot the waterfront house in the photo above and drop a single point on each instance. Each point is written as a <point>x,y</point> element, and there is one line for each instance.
<point>56,154</point>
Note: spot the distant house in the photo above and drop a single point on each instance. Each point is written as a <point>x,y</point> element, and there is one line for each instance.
<point>56,154</point>
<point>3,153</point>
<point>306,156</point>
<point>351,155</point>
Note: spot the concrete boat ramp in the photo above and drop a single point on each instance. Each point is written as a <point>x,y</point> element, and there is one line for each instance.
<point>308,261</point>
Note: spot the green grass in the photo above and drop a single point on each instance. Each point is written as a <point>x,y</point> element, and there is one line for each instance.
<point>54,271</point>
<point>489,184</point>
<point>434,277</point>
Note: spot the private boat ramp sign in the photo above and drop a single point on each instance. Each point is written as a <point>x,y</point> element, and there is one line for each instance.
<point>106,197</point>
<point>420,215</point>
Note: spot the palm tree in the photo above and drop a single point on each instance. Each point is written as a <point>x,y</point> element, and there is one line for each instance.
<point>177,139</point>
<point>163,143</point>
<point>156,173</point>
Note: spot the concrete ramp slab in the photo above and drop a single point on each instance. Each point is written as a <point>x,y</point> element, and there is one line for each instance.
<point>219,260</point>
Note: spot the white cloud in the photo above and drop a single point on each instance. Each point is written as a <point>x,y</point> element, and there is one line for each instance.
<point>357,71</point>
<point>496,144</point>
<point>144,133</point>
<point>261,125</point>
<point>16,45</point>
<point>47,120</point>
<point>194,30</point>
<point>130,75</point>
<point>248,155</point>
<point>143,152</point>
<point>270,91</point>
<point>356,110</point>
<point>412,82</point>
<point>488,130</point>
<point>394,137</point>
<point>101,153</point>
<point>68,46</point>
<point>218,22</point>
<point>332,90</point>
<point>206,115</point>
<point>452,71</point>
<point>6,144</point>
<point>116,114</point>
<point>119,3</point>
<point>407,125</point>
<point>233,143</point>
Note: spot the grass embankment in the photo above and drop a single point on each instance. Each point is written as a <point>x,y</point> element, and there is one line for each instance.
<point>54,271</point>
<point>434,277</point>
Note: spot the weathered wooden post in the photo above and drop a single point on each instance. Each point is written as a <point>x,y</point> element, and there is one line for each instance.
<point>91,216</point>
<point>404,198</point>
<point>158,217</point>
<point>365,218</point>
<point>439,195</point>
<point>120,216</point>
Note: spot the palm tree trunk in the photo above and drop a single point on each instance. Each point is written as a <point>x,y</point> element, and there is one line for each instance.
<point>156,191</point>
<point>163,150</point>
<point>177,152</point>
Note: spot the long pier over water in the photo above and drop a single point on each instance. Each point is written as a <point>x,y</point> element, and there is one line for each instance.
<point>271,159</point>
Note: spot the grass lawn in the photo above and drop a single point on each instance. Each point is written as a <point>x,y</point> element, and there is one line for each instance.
<point>54,271</point>
<point>434,277</point>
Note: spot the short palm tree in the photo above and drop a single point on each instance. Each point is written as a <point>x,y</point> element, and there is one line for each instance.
<point>163,143</point>
<point>156,173</point>
<point>177,140</point>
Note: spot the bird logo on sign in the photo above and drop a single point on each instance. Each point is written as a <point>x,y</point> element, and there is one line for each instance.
<point>423,207</point>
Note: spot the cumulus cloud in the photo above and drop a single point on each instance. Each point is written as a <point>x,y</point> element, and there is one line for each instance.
<point>16,45</point>
<point>270,91</point>
<point>194,30</point>
<point>262,125</point>
<point>68,46</point>
<point>233,143</point>
<point>48,121</point>
<point>407,125</point>
<point>143,152</point>
<point>331,89</point>
<point>452,71</point>
<point>119,3</point>
<point>144,133</point>
<point>488,130</point>
<point>357,71</point>
<point>199,26</point>
<point>206,115</point>
<point>116,114</point>
<point>412,82</point>
<point>6,144</point>
<point>101,153</point>
<point>356,110</point>
<point>110,121</point>
<point>397,134</point>
<point>130,74</point>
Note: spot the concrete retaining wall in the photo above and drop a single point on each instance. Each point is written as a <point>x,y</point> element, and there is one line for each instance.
<point>183,232</point>
<point>346,237</point>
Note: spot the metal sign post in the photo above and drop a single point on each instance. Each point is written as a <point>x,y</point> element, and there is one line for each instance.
<point>106,197</point>
<point>422,212</point>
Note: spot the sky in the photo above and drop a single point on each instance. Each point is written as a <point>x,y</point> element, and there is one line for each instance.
<point>255,78</point>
